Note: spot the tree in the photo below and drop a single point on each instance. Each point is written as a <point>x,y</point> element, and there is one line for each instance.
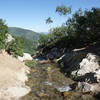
<point>81,29</point>
<point>63,10</point>
<point>43,39</point>
<point>49,20</point>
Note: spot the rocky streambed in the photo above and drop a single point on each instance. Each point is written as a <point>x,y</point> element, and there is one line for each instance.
<point>48,83</point>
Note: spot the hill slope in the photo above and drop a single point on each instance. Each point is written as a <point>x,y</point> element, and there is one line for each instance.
<point>28,34</point>
<point>30,38</point>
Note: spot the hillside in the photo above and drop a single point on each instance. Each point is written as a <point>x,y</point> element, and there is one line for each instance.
<point>29,38</point>
<point>28,34</point>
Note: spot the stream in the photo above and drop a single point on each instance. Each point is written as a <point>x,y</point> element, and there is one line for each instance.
<point>48,83</point>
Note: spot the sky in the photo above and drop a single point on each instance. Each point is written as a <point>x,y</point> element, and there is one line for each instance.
<point>31,14</point>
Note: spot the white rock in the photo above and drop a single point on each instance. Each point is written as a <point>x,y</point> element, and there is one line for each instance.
<point>48,83</point>
<point>20,58</point>
<point>18,91</point>
<point>64,88</point>
<point>9,38</point>
<point>97,74</point>
<point>27,56</point>
<point>88,64</point>
<point>85,87</point>
<point>13,75</point>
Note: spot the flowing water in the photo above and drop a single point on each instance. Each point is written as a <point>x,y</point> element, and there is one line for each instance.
<point>48,83</point>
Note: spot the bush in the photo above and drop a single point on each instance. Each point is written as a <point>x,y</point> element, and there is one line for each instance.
<point>55,61</point>
<point>30,63</point>
<point>15,48</point>
<point>3,31</point>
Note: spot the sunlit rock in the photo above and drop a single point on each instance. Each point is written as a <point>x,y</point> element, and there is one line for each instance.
<point>26,56</point>
<point>9,38</point>
<point>13,75</point>
<point>88,64</point>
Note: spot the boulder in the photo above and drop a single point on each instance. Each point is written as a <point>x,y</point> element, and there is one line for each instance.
<point>97,75</point>
<point>71,60</point>
<point>89,69</point>
<point>82,64</point>
<point>84,67</point>
<point>20,58</point>
<point>85,87</point>
<point>54,53</point>
<point>88,64</point>
<point>26,56</point>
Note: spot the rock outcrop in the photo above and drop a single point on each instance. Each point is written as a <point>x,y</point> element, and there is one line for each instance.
<point>13,75</point>
<point>26,56</point>
<point>84,66</point>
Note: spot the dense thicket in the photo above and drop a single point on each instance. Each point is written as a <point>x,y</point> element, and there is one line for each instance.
<point>81,29</point>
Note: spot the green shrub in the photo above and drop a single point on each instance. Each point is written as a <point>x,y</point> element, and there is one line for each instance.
<point>55,61</point>
<point>15,48</point>
<point>62,65</point>
<point>30,63</point>
<point>3,31</point>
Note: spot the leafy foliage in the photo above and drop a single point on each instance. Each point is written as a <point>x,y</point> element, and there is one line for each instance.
<point>31,63</point>
<point>63,10</point>
<point>3,31</point>
<point>81,29</point>
<point>49,20</point>
<point>15,47</point>
<point>29,38</point>
<point>29,46</point>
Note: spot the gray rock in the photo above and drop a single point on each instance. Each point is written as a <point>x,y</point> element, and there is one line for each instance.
<point>85,87</point>
<point>54,53</point>
<point>84,67</point>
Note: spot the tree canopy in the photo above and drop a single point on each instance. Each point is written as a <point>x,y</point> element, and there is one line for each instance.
<point>63,10</point>
<point>49,20</point>
<point>81,29</point>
